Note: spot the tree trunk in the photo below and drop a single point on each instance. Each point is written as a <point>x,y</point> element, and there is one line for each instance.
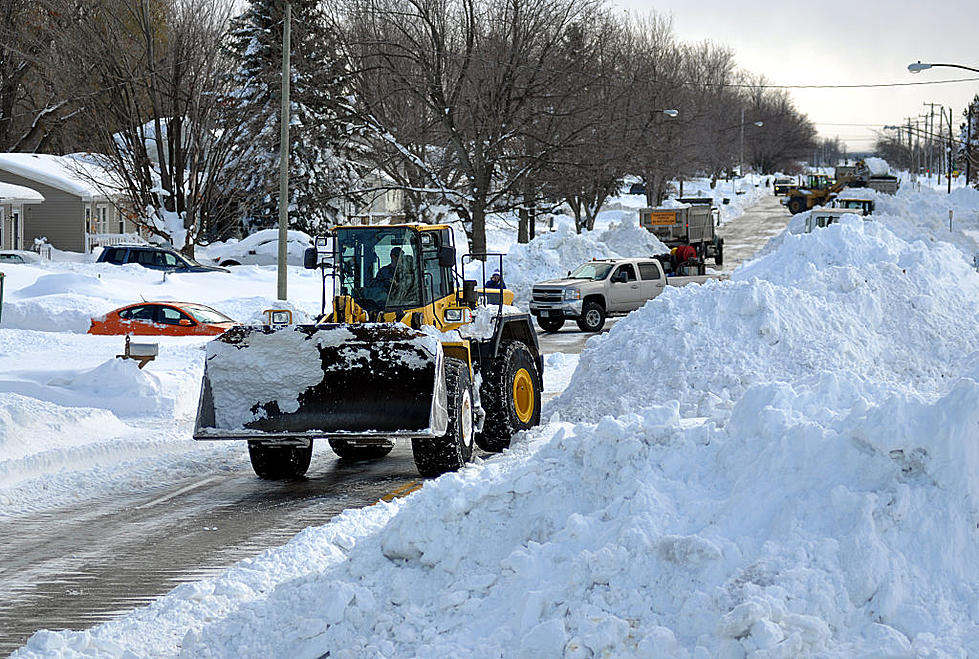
<point>477,238</point>
<point>523,226</point>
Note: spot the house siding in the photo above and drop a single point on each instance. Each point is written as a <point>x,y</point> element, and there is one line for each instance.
<point>59,218</point>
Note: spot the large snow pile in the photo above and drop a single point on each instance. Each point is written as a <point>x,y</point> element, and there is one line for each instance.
<point>877,166</point>
<point>851,298</point>
<point>793,472</point>
<point>554,253</point>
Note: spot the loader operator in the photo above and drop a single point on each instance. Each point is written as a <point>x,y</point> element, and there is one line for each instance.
<point>394,284</point>
<point>384,276</point>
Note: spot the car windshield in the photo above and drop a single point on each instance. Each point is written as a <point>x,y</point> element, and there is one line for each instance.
<point>592,271</point>
<point>12,258</point>
<point>204,314</point>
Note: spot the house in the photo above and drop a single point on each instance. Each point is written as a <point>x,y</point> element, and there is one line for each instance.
<point>13,200</point>
<point>81,205</point>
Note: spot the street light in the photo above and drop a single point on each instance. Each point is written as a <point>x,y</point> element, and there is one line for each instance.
<point>669,113</point>
<point>742,125</point>
<point>919,66</point>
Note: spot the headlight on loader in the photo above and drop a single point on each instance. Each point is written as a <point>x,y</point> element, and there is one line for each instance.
<point>458,315</point>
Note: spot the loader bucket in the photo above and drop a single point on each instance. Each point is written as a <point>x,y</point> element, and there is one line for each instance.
<point>360,380</point>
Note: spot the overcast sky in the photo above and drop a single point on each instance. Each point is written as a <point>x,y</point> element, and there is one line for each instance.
<point>871,42</point>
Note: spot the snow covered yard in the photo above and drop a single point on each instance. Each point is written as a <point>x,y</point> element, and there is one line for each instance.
<point>76,422</point>
<point>779,465</point>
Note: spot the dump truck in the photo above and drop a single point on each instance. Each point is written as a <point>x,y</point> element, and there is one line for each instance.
<point>691,222</point>
<point>404,353</point>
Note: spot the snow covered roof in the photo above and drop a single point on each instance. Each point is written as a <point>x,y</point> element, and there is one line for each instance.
<point>19,192</point>
<point>66,173</point>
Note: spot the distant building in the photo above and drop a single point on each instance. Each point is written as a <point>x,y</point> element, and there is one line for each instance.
<point>81,206</point>
<point>13,200</point>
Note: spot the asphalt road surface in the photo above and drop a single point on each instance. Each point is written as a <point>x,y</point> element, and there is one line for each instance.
<point>74,567</point>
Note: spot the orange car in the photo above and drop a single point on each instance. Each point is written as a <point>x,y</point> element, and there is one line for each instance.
<point>162,318</point>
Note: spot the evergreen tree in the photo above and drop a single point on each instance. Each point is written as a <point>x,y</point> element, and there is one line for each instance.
<point>968,150</point>
<point>319,172</point>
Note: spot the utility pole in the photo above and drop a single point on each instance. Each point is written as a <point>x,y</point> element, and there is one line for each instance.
<point>968,146</point>
<point>284,159</point>
<point>911,152</point>
<point>949,147</point>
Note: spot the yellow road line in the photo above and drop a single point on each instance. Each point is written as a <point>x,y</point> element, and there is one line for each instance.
<point>403,491</point>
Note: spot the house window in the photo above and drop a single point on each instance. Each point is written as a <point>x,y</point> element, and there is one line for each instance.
<point>102,218</point>
<point>89,225</point>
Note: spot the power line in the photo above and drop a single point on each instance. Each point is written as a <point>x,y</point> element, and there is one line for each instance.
<point>864,86</point>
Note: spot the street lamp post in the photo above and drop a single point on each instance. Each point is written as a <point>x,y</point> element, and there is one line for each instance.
<point>671,113</point>
<point>741,158</point>
<point>919,66</point>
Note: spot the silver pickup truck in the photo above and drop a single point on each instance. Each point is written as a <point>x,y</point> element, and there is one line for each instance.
<point>599,289</point>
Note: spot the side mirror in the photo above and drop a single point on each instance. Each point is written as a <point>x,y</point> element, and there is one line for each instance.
<point>186,322</point>
<point>311,258</point>
<point>619,278</point>
<point>469,293</point>
<point>447,257</point>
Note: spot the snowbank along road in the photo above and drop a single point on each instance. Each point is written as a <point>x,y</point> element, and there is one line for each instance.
<point>74,566</point>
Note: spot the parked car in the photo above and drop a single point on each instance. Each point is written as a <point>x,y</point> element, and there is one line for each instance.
<point>162,318</point>
<point>783,184</point>
<point>155,258</point>
<point>260,248</point>
<point>18,256</point>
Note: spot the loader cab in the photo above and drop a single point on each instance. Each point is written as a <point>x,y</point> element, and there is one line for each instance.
<point>396,269</point>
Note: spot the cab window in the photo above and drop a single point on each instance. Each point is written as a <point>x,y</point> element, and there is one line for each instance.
<point>630,272</point>
<point>648,271</point>
<point>437,281</point>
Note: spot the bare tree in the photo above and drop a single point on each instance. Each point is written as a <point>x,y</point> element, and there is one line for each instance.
<point>34,111</point>
<point>788,136</point>
<point>481,74</point>
<point>154,107</point>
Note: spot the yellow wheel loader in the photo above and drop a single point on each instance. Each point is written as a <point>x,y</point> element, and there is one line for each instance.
<point>408,351</point>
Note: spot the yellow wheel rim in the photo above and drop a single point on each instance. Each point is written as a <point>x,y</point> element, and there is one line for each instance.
<point>523,395</point>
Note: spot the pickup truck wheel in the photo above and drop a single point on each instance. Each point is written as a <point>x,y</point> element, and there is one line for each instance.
<point>592,317</point>
<point>275,462</point>
<point>796,205</point>
<point>550,324</point>
<point>347,451</point>
<point>510,395</point>
<point>436,455</point>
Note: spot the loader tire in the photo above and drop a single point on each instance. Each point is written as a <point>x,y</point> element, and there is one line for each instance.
<point>347,451</point>
<point>277,462</point>
<point>436,455</point>
<point>796,205</point>
<point>510,395</point>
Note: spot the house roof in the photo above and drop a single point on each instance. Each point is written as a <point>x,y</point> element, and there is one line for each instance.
<point>66,173</point>
<point>11,192</point>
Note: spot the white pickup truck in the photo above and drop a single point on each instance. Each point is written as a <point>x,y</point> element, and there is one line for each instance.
<point>608,287</point>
